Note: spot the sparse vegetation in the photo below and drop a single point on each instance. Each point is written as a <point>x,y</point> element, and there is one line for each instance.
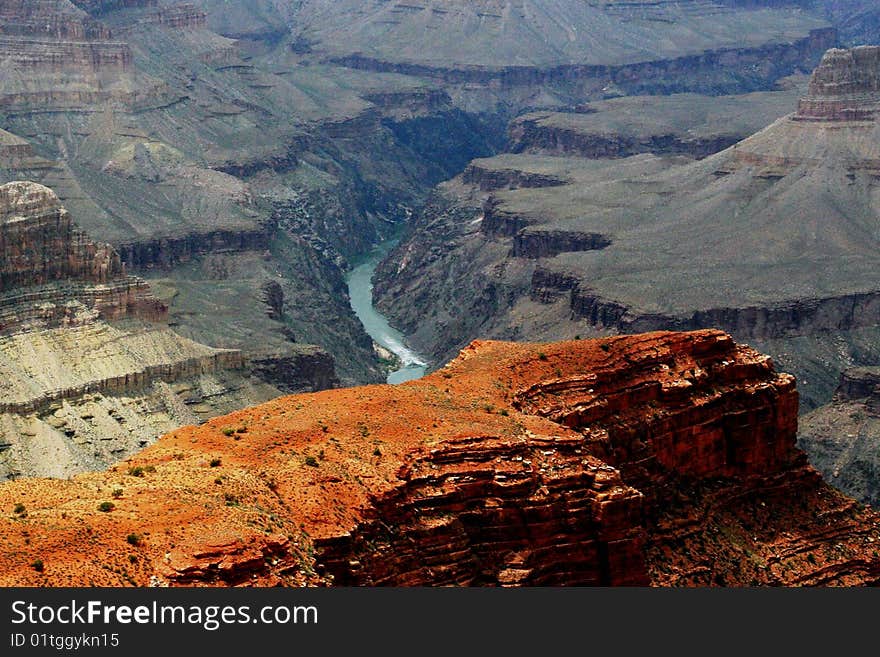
<point>505,412</point>
<point>311,461</point>
<point>137,471</point>
<point>216,463</point>
<point>117,493</point>
<point>542,355</point>
<point>38,565</point>
<point>106,507</point>
<point>377,452</point>
<point>133,539</point>
<point>20,509</point>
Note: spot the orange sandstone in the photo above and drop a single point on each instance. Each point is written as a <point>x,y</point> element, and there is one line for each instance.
<point>665,459</point>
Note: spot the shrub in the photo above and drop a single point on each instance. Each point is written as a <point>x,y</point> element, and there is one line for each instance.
<point>241,430</point>
<point>38,565</point>
<point>605,346</point>
<point>117,493</point>
<point>542,355</point>
<point>505,412</point>
<point>216,463</point>
<point>150,468</point>
<point>377,452</point>
<point>106,507</point>
<point>136,471</point>
<point>133,539</point>
<point>312,461</point>
<point>19,508</point>
<point>227,431</point>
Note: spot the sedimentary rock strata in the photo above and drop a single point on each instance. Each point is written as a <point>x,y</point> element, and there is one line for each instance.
<point>91,371</point>
<point>663,459</point>
<point>843,437</point>
<point>685,244</point>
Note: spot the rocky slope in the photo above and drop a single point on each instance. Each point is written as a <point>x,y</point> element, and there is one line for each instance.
<point>274,159</point>
<point>842,437</point>
<point>687,124</point>
<point>772,239</point>
<point>90,371</point>
<point>664,459</point>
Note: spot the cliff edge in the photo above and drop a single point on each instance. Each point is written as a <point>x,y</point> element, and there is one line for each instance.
<point>664,459</point>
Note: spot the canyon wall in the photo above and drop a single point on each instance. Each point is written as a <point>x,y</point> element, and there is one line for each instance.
<point>664,459</point>
<point>91,371</point>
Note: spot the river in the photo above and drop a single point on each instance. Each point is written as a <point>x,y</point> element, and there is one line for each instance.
<point>360,289</point>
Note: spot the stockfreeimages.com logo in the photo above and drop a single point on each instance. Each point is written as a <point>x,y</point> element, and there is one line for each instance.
<point>209,617</point>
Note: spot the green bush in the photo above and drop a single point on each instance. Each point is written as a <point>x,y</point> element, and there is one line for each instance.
<point>136,471</point>
<point>106,507</point>
<point>38,565</point>
<point>216,463</point>
<point>311,461</point>
<point>19,508</point>
<point>133,539</point>
<point>117,493</point>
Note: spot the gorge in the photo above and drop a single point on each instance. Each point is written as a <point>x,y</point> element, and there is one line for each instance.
<point>409,365</point>
<point>238,217</point>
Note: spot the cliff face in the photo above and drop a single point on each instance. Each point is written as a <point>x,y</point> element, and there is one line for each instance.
<point>52,35</point>
<point>644,243</point>
<point>40,249</point>
<point>666,459</point>
<point>843,437</point>
<point>38,243</point>
<point>91,371</point>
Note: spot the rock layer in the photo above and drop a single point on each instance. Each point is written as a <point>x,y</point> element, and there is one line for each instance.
<point>91,372</point>
<point>773,240</point>
<point>663,458</point>
<point>843,437</point>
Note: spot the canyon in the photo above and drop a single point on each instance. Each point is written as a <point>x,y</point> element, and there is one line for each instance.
<point>770,239</point>
<point>664,459</point>
<point>91,371</point>
<point>205,175</point>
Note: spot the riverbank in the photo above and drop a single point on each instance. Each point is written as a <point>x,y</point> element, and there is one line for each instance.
<point>412,365</point>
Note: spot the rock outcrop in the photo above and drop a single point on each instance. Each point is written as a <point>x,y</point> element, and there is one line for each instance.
<point>90,370</point>
<point>52,35</point>
<point>40,249</point>
<point>843,437</point>
<point>845,87</point>
<point>664,459</point>
<point>681,244</point>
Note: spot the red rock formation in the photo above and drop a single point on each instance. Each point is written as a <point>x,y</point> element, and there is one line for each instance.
<point>665,458</point>
<point>40,249</point>
<point>844,87</point>
<point>39,243</point>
